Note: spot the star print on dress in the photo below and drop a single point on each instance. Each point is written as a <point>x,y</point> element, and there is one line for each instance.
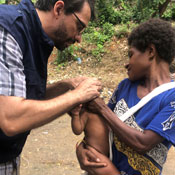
<point>167,124</point>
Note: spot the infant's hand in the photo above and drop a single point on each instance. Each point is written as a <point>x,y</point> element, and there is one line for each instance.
<point>75,111</point>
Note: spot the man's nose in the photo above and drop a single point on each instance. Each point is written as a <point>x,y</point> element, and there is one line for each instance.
<point>78,38</point>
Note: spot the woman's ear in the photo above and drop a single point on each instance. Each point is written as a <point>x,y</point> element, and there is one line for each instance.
<point>151,51</point>
<point>58,8</point>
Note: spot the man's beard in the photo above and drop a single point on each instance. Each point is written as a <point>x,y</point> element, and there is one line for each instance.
<point>61,40</point>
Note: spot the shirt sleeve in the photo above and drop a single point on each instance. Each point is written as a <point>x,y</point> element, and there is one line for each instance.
<point>112,101</point>
<point>12,77</point>
<point>164,123</point>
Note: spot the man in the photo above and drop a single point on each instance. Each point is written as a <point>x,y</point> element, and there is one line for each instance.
<point>27,37</point>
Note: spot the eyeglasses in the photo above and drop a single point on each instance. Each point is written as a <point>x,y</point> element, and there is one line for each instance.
<point>82,23</point>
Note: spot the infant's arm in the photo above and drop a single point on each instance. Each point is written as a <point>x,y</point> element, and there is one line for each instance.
<point>78,121</point>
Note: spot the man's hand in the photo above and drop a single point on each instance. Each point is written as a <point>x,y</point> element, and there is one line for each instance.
<point>88,89</point>
<point>77,80</point>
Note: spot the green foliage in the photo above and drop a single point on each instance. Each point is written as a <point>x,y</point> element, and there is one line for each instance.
<point>108,30</point>
<point>66,55</point>
<point>170,12</point>
<point>145,9</point>
<point>123,30</point>
<point>114,12</point>
<point>97,37</point>
<point>9,1</point>
<point>2,1</point>
<point>12,1</point>
<point>122,11</point>
<point>98,52</point>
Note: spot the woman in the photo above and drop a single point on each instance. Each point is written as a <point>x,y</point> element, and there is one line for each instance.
<point>141,143</point>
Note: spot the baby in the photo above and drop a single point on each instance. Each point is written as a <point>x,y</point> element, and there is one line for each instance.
<point>96,131</point>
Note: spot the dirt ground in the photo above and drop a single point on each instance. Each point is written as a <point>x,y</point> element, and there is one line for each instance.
<point>50,150</point>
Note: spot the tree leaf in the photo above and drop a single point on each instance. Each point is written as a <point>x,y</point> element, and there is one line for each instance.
<point>2,1</point>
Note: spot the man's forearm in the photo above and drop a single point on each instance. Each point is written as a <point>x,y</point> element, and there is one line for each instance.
<point>19,115</point>
<point>59,88</point>
<point>28,114</point>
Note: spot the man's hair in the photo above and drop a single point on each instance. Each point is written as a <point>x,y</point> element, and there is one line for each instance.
<point>158,32</point>
<point>70,6</point>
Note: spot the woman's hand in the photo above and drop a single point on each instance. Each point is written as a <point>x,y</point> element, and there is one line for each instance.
<point>95,105</point>
<point>87,158</point>
<point>109,169</point>
<point>94,162</point>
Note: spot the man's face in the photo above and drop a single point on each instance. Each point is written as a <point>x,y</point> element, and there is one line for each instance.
<point>70,28</point>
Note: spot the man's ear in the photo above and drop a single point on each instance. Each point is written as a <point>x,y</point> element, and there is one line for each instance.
<point>58,8</point>
<point>151,51</point>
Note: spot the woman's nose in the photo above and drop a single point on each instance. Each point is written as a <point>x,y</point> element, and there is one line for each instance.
<point>126,66</point>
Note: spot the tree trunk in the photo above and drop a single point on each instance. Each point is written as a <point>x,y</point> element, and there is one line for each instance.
<point>162,8</point>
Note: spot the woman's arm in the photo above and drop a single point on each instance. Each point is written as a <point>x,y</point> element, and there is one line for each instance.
<point>139,141</point>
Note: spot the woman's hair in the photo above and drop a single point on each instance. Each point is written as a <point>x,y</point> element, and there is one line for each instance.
<point>70,6</point>
<point>158,32</point>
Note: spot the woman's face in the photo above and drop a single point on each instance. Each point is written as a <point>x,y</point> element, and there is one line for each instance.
<point>139,64</point>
